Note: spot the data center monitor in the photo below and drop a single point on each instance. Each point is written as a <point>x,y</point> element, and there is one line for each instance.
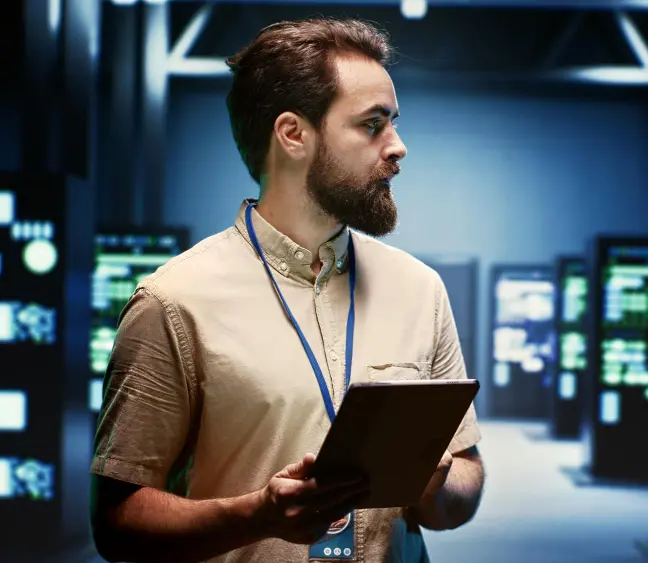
<point>522,342</point>
<point>122,259</point>
<point>571,328</point>
<point>618,403</point>
<point>32,301</point>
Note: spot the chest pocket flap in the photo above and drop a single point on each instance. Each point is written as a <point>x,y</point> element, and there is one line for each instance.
<point>400,371</point>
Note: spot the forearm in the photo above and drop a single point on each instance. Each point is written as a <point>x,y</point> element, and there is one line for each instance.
<point>457,501</point>
<point>154,526</point>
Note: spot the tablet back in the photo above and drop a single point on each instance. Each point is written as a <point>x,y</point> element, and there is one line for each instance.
<point>394,432</point>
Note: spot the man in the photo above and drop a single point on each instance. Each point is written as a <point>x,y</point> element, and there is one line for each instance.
<point>213,400</point>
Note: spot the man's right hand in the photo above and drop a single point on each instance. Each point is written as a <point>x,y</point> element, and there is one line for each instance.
<point>297,509</point>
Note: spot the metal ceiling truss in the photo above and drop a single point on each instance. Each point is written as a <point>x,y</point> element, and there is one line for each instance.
<point>181,63</point>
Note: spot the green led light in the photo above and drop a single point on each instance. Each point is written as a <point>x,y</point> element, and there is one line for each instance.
<point>612,379</point>
<point>132,259</point>
<point>629,270</point>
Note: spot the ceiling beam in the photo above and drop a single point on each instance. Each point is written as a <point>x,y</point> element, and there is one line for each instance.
<point>522,4</point>
<point>181,63</point>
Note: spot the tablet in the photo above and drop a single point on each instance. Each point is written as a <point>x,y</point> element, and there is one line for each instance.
<point>395,433</point>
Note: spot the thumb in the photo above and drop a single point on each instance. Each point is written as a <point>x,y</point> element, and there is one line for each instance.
<point>299,470</point>
<point>446,462</point>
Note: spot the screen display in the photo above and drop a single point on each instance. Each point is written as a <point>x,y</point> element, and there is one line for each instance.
<point>572,335</point>
<point>523,341</point>
<point>625,318</point>
<point>122,260</point>
<point>29,256</point>
<point>32,278</point>
<point>523,334</point>
<point>617,410</point>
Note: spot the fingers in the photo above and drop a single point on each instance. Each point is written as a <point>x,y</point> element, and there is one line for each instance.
<point>328,507</point>
<point>445,464</point>
<point>309,493</point>
<point>331,494</point>
<point>299,470</point>
<point>346,501</point>
<point>299,509</point>
<point>336,511</point>
<point>446,459</point>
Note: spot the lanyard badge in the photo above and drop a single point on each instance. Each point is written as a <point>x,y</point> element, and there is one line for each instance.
<point>339,541</point>
<point>328,402</point>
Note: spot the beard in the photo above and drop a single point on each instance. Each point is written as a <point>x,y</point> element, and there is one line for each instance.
<point>365,204</point>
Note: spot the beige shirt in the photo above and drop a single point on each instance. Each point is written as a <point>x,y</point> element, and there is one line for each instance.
<point>209,392</point>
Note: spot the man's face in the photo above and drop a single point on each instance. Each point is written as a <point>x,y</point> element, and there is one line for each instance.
<point>359,150</point>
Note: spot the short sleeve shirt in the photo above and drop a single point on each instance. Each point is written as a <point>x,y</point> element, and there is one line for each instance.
<point>209,392</point>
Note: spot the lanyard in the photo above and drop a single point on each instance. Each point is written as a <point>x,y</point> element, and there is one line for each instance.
<point>328,402</point>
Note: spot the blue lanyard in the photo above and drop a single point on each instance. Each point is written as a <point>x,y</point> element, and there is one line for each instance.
<point>328,402</point>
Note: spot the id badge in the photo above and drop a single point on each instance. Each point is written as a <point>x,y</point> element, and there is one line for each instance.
<point>338,543</point>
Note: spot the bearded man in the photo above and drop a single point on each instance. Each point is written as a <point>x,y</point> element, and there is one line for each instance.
<point>231,361</point>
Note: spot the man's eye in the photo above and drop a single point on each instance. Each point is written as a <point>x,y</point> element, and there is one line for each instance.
<point>377,125</point>
<point>373,125</point>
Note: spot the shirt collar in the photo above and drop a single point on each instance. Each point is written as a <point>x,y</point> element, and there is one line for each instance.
<point>289,258</point>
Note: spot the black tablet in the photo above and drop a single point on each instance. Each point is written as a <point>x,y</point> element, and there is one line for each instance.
<point>395,433</point>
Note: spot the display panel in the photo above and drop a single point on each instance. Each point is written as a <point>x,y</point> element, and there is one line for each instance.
<point>571,329</point>
<point>523,341</point>
<point>122,259</point>
<point>618,404</point>
<point>32,308</point>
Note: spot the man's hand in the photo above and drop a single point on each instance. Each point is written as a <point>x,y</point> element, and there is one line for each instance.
<point>297,509</point>
<point>451,498</point>
<point>440,475</point>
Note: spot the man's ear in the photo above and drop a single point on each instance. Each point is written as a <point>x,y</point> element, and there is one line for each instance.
<point>295,135</point>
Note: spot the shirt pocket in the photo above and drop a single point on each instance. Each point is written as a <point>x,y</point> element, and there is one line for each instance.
<point>400,371</point>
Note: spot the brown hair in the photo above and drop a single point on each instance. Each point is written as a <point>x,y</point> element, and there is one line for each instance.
<point>289,67</point>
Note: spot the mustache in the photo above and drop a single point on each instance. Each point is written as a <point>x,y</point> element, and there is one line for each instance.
<point>392,170</point>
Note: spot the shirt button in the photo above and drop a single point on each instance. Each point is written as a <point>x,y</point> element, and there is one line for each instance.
<point>317,289</point>
<point>299,255</point>
<point>283,265</point>
<point>333,356</point>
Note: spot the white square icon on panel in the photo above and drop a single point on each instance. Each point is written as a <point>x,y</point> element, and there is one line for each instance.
<point>567,386</point>
<point>13,411</point>
<point>6,322</point>
<point>6,490</point>
<point>610,407</point>
<point>6,208</point>
<point>96,394</point>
